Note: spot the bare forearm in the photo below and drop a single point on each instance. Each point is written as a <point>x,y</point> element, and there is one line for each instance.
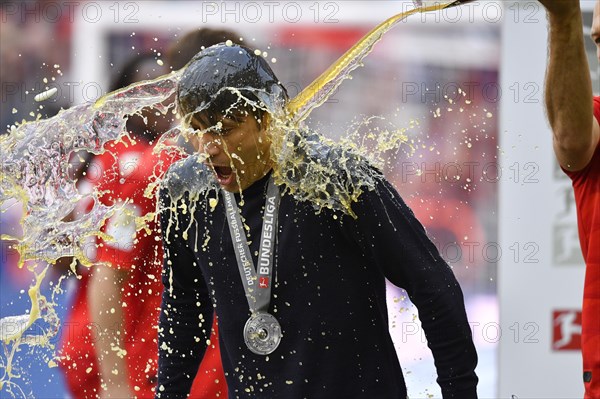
<point>106,313</point>
<point>569,89</point>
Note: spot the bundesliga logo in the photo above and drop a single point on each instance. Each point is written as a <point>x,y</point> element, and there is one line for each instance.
<point>566,330</point>
<point>263,282</point>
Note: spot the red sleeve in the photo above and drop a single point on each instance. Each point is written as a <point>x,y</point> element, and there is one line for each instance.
<point>165,159</point>
<point>103,173</point>
<point>121,176</point>
<point>124,175</point>
<point>115,189</point>
<point>594,164</point>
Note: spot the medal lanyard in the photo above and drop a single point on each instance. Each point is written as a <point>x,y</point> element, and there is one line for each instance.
<point>256,281</point>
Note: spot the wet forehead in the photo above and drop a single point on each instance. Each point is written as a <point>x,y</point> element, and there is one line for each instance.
<point>200,120</point>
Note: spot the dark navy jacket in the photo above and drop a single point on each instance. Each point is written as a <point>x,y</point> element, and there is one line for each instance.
<point>329,296</point>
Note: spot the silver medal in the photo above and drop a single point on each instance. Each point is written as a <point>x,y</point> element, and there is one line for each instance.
<point>262,333</point>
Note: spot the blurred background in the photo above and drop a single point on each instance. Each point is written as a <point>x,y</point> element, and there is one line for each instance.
<point>467,83</point>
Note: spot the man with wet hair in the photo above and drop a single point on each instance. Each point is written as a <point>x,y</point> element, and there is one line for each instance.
<point>254,230</point>
<point>574,116</point>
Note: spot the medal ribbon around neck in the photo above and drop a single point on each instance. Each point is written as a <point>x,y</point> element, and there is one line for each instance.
<point>262,332</point>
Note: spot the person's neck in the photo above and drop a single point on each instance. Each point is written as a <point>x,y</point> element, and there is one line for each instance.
<point>258,177</point>
<point>263,168</point>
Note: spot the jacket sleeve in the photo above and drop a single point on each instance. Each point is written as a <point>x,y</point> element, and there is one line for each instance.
<point>394,240</point>
<point>186,310</point>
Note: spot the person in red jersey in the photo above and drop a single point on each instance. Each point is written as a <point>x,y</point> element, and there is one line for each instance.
<point>110,339</point>
<point>110,346</point>
<point>574,115</point>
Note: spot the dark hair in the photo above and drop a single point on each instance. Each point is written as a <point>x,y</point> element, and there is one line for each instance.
<point>207,82</point>
<point>128,70</point>
<point>182,51</point>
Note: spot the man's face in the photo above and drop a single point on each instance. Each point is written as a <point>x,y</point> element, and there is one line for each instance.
<point>237,149</point>
<point>596,28</point>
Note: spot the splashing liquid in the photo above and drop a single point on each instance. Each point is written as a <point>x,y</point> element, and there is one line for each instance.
<point>34,172</point>
<point>310,167</point>
<point>339,175</point>
<point>321,89</point>
<point>15,331</point>
<point>35,162</point>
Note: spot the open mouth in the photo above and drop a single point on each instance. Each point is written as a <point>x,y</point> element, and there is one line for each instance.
<point>224,174</point>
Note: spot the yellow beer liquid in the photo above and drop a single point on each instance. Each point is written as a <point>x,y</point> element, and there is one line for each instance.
<point>321,88</point>
<point>33,171</point>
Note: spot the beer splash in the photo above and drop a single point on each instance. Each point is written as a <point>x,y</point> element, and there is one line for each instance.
<point>17,330</point>
<point>34,170</point>
<point>337,177</point>
<point>310,167</point>
<point>321,88</point>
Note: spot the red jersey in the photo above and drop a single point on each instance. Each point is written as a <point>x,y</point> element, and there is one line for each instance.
<point>586,184</point>
<point>121,175</point>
